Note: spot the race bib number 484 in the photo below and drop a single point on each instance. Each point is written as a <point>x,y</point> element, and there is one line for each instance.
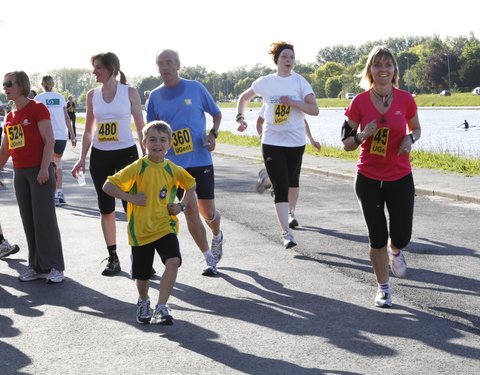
<point>108,131</point>
<point>281,114</point>
<point>380,142</point>
<point>182,141</point>
<point>16,137</point>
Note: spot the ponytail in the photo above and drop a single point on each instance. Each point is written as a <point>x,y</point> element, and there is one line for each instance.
<point>123,79</point>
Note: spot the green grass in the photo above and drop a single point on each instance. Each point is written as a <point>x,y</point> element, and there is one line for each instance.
<point>425,100</point>
<point>419,159</point>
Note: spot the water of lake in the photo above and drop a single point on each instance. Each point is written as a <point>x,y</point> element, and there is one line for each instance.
<point>440,128</point>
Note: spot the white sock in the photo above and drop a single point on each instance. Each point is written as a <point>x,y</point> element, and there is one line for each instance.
<point>218,237</point>
<point>207,253</point>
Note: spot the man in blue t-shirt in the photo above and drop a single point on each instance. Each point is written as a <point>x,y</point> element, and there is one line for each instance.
<point>182,104</point>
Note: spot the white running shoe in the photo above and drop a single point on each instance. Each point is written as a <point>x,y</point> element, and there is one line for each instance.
<point>398,264</point>
<point>263,181</point>
<point>144,312</point>
<point>30,274</point>
<point>292,220</point>
<point>6,249</point>
<point>209,266</point>
<point>54,276</point>
<point>288,240</point>
<point>161,316</point>
<point>217,248</point>
<point>384,298</point>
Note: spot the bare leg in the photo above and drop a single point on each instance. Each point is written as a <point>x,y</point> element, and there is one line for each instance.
<point>59,173</point>
<point>206,208</point>
<point>168,279</point>
<point>109,229</point>
<point>282,215</point>
<point>195,226</point>
<point>292,199</point>
<point>142,287</point>
<point>379,258</point>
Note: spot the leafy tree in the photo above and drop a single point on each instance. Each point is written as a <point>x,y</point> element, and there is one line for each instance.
<point>321,74</point>
<point>345,55</point>
<point>243,84</point>
<point>333,86</point>
<point>148,84</point>
<point>469,74</point>
<point>195,73</point>
<point>437,70</point>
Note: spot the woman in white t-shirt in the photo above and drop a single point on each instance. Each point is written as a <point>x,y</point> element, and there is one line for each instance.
<point>287,96</point>
<point>57,107</point>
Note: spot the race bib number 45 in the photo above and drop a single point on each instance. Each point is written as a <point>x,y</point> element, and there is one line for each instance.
<point>380,142</point>
<point>182,141</point>
<point>108,131</point>
<point>16,137</point>
<point>281,114</point>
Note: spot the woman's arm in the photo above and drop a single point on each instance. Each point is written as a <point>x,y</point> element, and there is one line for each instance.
<point>308,106</point>
<point>46,132</point>
<point>242,103</point>
<point>87,135</point>
<point>137,113</point>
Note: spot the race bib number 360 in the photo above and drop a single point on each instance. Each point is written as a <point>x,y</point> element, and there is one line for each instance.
<point>380,142</point>
<point>182,141</point>
<point>281,114</point>
<point>108,131</point>
<point>16,137</point>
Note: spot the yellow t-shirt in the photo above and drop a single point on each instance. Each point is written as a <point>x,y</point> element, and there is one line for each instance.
<point>159,182</point>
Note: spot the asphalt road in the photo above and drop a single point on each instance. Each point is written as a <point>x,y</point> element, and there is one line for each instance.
<point>306,310</point>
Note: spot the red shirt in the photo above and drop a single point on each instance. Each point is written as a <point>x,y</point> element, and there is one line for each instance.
<point>379,157</point>
<point>25,144</point>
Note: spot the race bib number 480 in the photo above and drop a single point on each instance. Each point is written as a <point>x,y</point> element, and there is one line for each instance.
<point>108,131</point>
<point>380,142</point>
<point>281,114</point>
<point>16,137</point>
<point>182,141</point>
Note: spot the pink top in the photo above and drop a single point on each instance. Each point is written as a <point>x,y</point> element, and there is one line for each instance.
<point>379,157</point>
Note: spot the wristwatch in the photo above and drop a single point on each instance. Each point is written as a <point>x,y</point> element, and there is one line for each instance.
<point>214,132</point>
<point>412,136</point>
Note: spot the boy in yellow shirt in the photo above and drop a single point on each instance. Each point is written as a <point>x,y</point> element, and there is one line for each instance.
<point>149,185</point>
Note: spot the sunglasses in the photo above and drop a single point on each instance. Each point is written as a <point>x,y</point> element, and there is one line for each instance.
<point>8,84</point>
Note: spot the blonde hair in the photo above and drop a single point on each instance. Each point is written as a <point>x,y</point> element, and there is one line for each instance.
<point>160,126</point>
<point>48,82</point>
<point>377,54</point>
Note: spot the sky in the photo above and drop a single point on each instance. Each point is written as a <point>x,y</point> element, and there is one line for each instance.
<point>38,36</point>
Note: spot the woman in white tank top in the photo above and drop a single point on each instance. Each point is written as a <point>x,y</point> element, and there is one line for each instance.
<point>110,108</point>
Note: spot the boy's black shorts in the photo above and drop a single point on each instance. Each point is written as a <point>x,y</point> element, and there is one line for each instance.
<point>142,256</point>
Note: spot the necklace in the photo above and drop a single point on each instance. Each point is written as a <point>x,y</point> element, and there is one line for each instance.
<point>385,98</point>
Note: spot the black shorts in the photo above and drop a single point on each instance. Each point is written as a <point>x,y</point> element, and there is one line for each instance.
<point>107,163</point>
<point>142,256</point>
<point>59,147</point>
<point>398,196</point>
<point>205,179</point>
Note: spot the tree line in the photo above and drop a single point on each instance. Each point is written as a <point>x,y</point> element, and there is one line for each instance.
<point>426,64</point>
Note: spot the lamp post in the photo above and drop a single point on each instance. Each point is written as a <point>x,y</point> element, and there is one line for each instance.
<point>448,65</point>
<point>407,78</point>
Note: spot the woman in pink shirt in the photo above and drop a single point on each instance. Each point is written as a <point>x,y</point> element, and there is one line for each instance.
<point>383,121</point>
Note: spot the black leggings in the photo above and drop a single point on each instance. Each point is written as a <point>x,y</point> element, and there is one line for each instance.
<point>283,166</point>
<point>399,197</point>
<point>107,163</point>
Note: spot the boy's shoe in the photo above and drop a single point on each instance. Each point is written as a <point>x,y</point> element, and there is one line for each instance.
<point>113,266</point>
<point>54,276</point>
<point>288,240</point>
<point>217,248</point>
<point>262,181</point>
<point>144,312</point>
<point>398,264</point>
<point>292,220</point>
<point>209,267</point>
<point>384,298</point>
<point>161,316</point>
<point>60,200</point>
<point>30,274</point>
<point>6,249</point>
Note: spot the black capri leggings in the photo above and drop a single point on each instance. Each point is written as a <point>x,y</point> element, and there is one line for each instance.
<point>107,163</point>
<point>399,197</point>
<point>283,166</point>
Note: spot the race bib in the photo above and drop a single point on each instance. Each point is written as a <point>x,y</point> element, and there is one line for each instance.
<point>281,114</point>
<point>182,141</point>
<point>108,131</point>
<point>380,142</point>
<point>16,138</point>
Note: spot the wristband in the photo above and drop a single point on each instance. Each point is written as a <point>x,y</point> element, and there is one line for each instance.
<point>357,140</point>
<point>240,116</point>
<point>412,137</point>
<point>214,132</point>
<point>182,206</point>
